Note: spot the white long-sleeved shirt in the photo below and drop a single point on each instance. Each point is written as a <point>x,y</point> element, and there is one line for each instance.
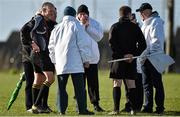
<point>95,32</point>
<point>69,46</point>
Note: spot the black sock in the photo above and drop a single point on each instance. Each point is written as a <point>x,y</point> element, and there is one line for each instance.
<point>132,98</point>
<point>45,99</point>
<point>116,97</point>
<point>42,93</point>
<point>35,92</point>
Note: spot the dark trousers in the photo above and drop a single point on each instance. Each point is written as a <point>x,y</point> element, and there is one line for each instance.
<point>29,76</point>
<point>152,79</point>
<point>91,74</point>
<point>62,96</point>
<point>139,92</point>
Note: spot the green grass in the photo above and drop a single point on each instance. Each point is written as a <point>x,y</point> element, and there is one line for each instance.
<point>8,82</point>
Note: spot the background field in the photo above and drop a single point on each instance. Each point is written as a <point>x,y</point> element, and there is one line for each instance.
<point>8,82</point>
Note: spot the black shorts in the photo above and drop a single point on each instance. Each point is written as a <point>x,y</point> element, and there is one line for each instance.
<point>42,62</point>
<point>123,70</point>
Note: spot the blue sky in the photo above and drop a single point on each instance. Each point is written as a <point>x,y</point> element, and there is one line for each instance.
<point>14,13</point>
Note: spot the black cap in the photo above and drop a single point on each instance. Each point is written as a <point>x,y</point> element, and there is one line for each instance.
<point>69,11</point>
<point>83,8</point>
<point>143,7</point>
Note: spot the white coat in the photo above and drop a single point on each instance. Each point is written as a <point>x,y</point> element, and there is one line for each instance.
<point>153,30</point>
<point>69,46</point>
<point>95,32</point>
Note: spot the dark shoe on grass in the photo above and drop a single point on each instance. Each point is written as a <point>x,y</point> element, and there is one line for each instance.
<point>126,110</point>
<point>159,112</point>
<point>147,110</point>
<point>86,112</point>
<point>97,108</point>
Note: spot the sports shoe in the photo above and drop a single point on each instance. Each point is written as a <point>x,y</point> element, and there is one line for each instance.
<point>38,109</point>
<point>126,110</point>
<point>35,110</point>
<point>132,112</point>
<point>114,113</point>
<point>62,113</point>
<point>127,107</point>
<point>147,110</point>
<point>86,112</point>
<point>29,110</point>
<point>47,109</point>
<point>159,112</point>
<point>98,108</point>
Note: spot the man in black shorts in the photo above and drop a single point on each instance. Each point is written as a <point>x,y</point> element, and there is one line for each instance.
<point>123,39</point>
<point>43,24</point>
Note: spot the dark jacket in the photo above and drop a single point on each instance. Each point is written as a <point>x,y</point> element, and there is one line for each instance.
<point>125,37</point>
<point>35,29</point>
<point>26,40</point>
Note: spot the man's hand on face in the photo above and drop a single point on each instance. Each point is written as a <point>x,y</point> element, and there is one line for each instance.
<point>83,18</point>
<point>86,20</point>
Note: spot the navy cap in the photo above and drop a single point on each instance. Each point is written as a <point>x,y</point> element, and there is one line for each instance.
<point>69,11</point>
<point>143,7</point>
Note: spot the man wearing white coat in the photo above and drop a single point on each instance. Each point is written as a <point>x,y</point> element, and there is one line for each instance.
<point>95,32</point>
<point>153,31</point>
<point>69,51</point>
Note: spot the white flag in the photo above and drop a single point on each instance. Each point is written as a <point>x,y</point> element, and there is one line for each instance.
<point>161,61</point>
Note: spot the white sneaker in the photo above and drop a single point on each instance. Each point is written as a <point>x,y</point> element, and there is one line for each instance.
<point>114,113</point>
<point>132,112</point>
<point>29,110</point>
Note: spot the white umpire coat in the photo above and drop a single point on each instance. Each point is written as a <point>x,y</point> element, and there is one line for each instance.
<point>69,46</point>
<point>95,32</point>
<point>153,30</point>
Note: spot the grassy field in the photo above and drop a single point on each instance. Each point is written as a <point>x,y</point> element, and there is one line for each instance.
<point>8,82</point>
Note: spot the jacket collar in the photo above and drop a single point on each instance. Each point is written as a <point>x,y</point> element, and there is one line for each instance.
<point>153,15</point>
<point>67,17</point>
<point>124,19</point>
<point>51,24</point>
<point>147,21</point>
